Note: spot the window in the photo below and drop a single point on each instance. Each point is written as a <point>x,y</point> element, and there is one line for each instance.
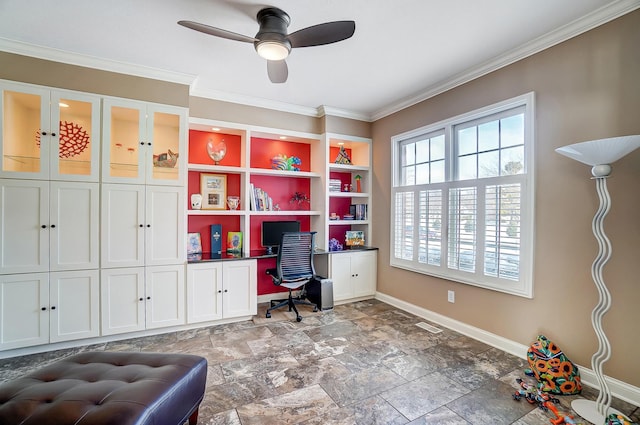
<point>462,195</point>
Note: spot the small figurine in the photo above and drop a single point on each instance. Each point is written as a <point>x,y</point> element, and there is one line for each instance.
<point>533,395</point>
<point>560,419</point>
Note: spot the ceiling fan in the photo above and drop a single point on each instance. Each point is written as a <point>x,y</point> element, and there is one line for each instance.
<point>274,44</point>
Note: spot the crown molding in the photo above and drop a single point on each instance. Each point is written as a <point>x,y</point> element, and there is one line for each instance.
<point>56,55</point>
<point>253,101</point>
<point>342,113</point>
<point>588,22</point>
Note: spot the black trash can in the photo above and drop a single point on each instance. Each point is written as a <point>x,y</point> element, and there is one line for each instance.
<point>320,292</point>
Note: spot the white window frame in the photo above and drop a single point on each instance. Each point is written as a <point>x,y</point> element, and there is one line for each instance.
<point>523,286</point>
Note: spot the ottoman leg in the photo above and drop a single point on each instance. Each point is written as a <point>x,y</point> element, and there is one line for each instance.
<point>193,419</point>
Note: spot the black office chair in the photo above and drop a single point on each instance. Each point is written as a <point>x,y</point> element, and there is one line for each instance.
<point>294,269</point>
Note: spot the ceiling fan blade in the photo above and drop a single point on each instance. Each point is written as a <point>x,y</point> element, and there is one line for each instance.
<point>327,33</point>
<point>217,31</point>
<point>278,71</point>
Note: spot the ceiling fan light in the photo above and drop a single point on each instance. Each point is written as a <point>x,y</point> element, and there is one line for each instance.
<point>272,50</point>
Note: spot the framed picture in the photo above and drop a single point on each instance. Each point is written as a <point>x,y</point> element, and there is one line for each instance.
<point>194,244</point>
<point>213,188</point>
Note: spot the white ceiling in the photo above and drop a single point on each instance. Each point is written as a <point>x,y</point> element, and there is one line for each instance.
<point>403,51</point>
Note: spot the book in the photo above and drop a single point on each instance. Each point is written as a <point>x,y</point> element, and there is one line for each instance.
<point>216,239</point>
<point>194,244</point>
<point>234,242</point>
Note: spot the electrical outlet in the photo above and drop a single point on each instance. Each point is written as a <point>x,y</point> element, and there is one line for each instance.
<point>451,296</point>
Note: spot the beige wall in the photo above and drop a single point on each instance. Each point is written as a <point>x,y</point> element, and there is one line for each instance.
<point>586,88</point>
<point>54,74</point>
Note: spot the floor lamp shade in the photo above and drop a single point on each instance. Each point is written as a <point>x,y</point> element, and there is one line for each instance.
<point>600,154</point>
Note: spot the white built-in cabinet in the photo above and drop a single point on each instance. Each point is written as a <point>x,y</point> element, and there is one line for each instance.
<point>142,225</point>
<point>143,143</point>
<point>48,133</point>
<point>48,226</point>
<point>41,308</point>
<point>221,290</point>
<point>353,274</point>
<point>139,298</point>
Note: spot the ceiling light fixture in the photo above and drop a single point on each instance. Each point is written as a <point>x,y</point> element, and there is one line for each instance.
<point>273,50</point>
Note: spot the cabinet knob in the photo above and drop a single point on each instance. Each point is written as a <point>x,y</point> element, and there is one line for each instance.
<point>44,226</point>
<point>53,226</point>
<point>141,143</point>
<point>44,133</point>
<point>53,307</point>
<point>226,290</point>
<point>148,225</point>
<point>149,143</point>
<point>53,134</point>
<point>142,225</point>
<point>148,298</point>
<point>44,309</point>
<point>141,299</point>
<point>219,291</point>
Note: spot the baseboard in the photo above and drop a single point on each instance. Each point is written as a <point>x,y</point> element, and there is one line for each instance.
<point>619,389</point>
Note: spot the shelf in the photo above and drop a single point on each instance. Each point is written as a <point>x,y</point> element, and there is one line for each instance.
<point>347,222</point>
<point>216,212</point>
<point>347,167</point>
<point>215,168</point>
<point>280,173</point>
<point>290,212</point>
<point>348,195</point>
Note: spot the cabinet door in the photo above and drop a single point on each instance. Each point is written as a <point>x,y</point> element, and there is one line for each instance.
<point>122,300</point>
<point>164,226</point>
<point>240,289</point>
<point>165,157</point>
<point>75,305</point>
<point>24,226</point>
<point>24,304</point>
<point>123,141</point>
<point>164,296</point>
<point>363,269</point>
<point>75,149</point>
<point>204,292</point>
<point>74,225</point>
<point>122,225</point>
<point>341,276</point>
<point>25,129</point>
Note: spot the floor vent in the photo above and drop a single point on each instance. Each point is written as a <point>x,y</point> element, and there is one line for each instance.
<point>429,327</point>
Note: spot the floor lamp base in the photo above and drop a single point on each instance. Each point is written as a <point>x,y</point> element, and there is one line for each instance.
<point>588,410</point>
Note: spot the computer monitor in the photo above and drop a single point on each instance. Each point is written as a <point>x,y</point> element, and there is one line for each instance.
<point>272,232</point>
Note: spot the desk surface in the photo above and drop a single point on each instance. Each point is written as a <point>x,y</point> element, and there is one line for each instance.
<point>258,254</point>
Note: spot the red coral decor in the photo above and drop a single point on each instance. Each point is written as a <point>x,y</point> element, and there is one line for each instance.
<point>73,139</point>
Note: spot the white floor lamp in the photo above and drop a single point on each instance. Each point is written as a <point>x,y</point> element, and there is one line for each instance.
<point>600,154</point>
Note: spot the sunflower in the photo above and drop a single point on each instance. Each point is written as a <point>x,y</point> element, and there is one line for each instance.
<point>568,387</point>
<point>541,366</point>
<point>566,368</point>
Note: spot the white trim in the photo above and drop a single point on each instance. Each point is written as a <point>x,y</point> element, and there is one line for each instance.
<point>62,56</point>
<point>619,389</point>
<point>579,26</point>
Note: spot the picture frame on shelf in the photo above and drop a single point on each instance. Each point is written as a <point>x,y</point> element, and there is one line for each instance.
<point>194,244</point>
<point>213,188</point>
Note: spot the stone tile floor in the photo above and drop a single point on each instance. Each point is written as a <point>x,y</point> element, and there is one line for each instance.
<point>360,363</point>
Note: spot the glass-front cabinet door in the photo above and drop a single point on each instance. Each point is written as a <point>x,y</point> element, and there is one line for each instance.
<point>25,123</point>
<point>49,134</point>
<point>76,155</point>
<point>143,143</point>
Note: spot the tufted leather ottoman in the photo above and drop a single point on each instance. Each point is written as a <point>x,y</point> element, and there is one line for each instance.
<point>108,388</point>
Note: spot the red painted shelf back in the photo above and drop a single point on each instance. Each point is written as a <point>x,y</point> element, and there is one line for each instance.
<point>262,150</point>
<point>198,148</point>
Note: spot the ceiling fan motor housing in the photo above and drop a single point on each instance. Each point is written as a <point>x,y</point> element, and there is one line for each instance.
<point>273,27</point>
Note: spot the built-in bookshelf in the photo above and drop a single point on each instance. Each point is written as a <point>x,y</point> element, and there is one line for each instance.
<point>306,162</point>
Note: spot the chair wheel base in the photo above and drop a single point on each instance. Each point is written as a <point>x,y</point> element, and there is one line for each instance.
<point>268,315</point>
<point>299,319</point>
